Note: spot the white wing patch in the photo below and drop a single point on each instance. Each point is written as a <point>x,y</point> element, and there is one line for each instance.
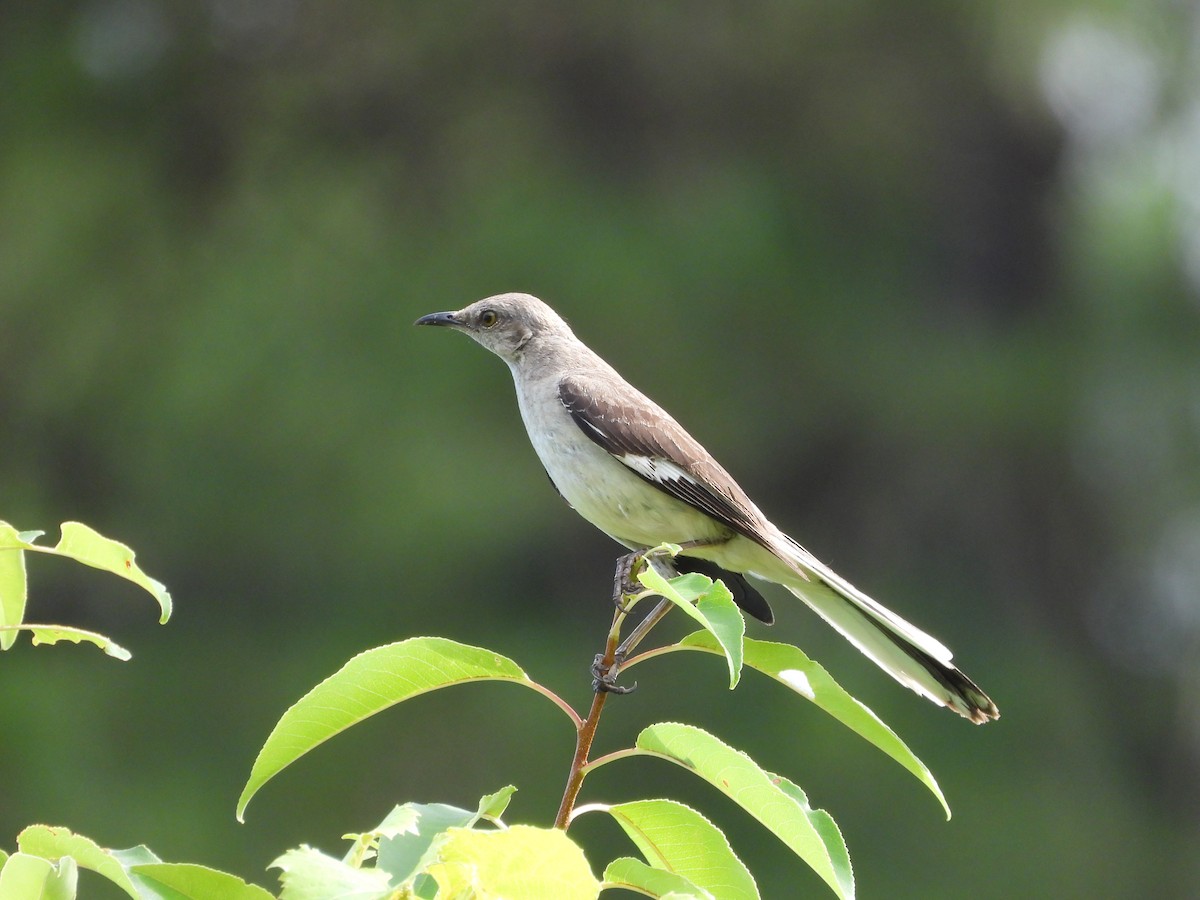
<point>656,469</point>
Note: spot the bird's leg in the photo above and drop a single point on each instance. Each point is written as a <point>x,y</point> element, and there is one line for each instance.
<point>667,570</point>
<point>607,665</point>
<point>623,583</point>
<point>639,633</point>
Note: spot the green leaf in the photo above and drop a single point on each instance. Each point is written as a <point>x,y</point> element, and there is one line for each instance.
<point>678,839</point>
<point>823,822</point>
<point>185,881</point>
<point>710,604</point>
<point>758,792</point>
<point>400,820</point>
<point>134,856</point>
<point>13,585</point>
<point>23,876</point>
<point>492,806</point>
<point>792,668</point>
<point>88,546</point>
<point>53,843</point>
<point>404,837</point>
<point>521,861</point>
<point>52,634</point>
<point>634,875</point>
<point>401,850</point>
<point>309,874</point>
<point>370,683</point>
<point>65,883</point>
<point>26,876</point>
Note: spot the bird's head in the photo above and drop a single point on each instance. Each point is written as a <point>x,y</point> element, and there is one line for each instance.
<point>506,324</point>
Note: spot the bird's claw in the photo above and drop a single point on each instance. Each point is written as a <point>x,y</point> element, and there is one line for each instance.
<point>604,677</point>
<point>623,583</point>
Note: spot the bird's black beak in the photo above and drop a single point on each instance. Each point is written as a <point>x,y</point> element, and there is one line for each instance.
<point>442,318</point>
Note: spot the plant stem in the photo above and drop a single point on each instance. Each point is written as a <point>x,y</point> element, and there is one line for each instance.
<point>586,731</point>
<point>583,746</point>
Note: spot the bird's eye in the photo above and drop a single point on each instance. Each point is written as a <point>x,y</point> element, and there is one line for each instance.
<point>488,318</point>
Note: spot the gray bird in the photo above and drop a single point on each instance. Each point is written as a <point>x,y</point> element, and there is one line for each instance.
<point>632,471</point>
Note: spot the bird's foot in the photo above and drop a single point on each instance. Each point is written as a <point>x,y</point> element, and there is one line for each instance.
<point>604,677</point>
<point>624,582</point>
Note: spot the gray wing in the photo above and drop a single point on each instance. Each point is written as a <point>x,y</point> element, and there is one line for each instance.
<point>652,445</point>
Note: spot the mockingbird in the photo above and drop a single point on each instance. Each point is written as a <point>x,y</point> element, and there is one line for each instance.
<point>632,471</point>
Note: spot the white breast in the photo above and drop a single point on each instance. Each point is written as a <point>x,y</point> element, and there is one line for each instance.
<point>599,487</point>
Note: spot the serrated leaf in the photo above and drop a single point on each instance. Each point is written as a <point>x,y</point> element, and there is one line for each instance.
<point>13,584</point>
<point>401,852</point>
<point>710,604</point>
<point>370,683</point>
<point>792,668</point>
<point>54,842</point>
<point>741,779</point>
<point>521,861</point>
<point>676,838</point>
<point>823,822</point>
<point>404,837</point>
<point>186,881</point>
<point>309,874</point>
<point>635,875</point>
<point>401,820</point>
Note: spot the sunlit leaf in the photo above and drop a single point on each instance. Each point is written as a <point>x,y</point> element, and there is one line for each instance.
<point>401,851</point>
<point>492,806</point>
<point>185,881</point>
<point>25,876</point>
<point>86,545</point>
<point>521,861</point>
<point>401,820</point>
<point>52,634</point>
<point>710,604</point>
<point>678,839</point>
<point>309,874</point>
<point>736,775</point>
<point>634,875</point>
<point>792,668</point>
<point>367,684</point>
<point>53,842</point>
<point>404,837</point>
<point>134,856</point>
<point>12,582</point>
<point>824,825</point>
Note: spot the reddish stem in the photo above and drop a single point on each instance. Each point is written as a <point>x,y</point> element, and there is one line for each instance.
<point>583,746</point>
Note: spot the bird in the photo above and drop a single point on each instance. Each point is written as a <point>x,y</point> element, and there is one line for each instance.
<point>631,470</point>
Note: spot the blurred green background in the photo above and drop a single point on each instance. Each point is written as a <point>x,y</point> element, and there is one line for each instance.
<point>924,276</point>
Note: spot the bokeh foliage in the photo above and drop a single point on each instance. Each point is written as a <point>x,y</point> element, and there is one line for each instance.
<point>926,281</point>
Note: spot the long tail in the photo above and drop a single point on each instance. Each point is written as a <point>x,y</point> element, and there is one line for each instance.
<point>912,657</point>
